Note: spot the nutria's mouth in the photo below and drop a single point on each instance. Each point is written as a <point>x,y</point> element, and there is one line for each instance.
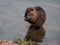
<point>29,20</point>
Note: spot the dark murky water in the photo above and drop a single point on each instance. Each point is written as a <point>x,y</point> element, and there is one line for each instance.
<point>12,24</point>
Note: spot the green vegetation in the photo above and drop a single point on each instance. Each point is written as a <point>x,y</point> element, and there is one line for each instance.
<point>23,42</point>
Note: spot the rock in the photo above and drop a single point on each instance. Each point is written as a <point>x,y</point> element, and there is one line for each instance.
<point>16,42</point>
<point>5,42</point>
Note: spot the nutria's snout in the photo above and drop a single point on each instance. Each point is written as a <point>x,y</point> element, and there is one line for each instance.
<point>28,17</point>
<point>29,14</point>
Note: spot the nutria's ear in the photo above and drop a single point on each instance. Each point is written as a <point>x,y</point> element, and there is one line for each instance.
<point>42,17</point>
<point>41,14</point>
<point>38,8</point>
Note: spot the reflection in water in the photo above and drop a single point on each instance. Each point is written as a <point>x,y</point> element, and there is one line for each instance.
<point>36,17</point>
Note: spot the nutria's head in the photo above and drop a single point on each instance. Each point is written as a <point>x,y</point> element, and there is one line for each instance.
<point>35,15</point>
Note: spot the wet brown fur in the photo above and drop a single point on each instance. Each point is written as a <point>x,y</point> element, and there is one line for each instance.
<point>36,32</point>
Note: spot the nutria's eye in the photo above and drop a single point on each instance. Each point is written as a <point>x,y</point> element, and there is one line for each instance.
<point>31,9</point>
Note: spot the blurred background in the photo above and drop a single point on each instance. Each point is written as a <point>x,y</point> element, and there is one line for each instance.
<point>12,24</point>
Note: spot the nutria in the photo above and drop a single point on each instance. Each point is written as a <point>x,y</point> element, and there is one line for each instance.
<point>36,17</point>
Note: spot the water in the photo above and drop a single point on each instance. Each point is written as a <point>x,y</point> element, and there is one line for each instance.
<point>12,24</point>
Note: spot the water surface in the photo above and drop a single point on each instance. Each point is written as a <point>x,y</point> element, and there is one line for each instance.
<point>12,24</point>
